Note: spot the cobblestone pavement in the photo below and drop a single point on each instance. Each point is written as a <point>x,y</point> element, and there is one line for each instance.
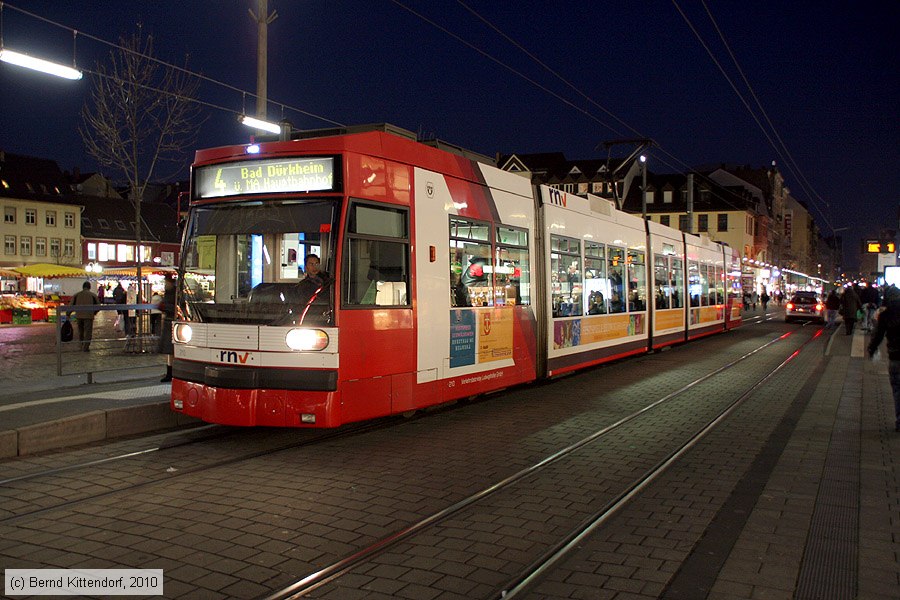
<point>250,527</point>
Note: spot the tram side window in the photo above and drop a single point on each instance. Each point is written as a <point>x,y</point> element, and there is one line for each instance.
<point>471,272</point>
<point>637,282</point>
<point>677,283</point>
<point>596,287</point>
<point>720,285</point>
<point>565,276</point>
<point>694,282</point>
<point>616,270</point>
<point>661,281</point>
<point>704,285</point>
<point>376,261</point>
<point>512,275</point>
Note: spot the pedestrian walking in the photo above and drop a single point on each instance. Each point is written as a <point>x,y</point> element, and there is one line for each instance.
<point>85,317</point>
<point>167,306</point>
<point>870,298</point>
<point>832,307</point>
<point>850,305</point>
<point>888,325</point>
<point>120,296</point>
<point>764,299</point>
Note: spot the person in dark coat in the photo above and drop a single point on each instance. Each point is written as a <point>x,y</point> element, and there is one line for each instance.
<point>888,325</point>
<point>85,317</point>
<point>167,306</point>
<point>850,304</point>
<point>832,307</point>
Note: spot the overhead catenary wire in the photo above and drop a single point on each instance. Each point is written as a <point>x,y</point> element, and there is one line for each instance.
<point>809,189</point>
<point>741,98</point>
<point>168,65</point>
<point>680,165</point>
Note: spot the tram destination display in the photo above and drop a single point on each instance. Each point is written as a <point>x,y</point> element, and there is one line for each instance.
<point>265,177</point>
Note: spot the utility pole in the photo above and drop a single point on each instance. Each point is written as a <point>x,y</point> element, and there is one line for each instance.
<point>262,18</point>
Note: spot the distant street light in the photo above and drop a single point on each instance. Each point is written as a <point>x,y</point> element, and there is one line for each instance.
<point>38,64</point>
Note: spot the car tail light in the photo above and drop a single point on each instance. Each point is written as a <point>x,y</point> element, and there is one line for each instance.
<point>820,307</point>
<point>790,306</point>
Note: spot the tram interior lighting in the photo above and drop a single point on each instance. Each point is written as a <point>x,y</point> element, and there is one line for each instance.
<point>258,124</point>
<point>39,64</point>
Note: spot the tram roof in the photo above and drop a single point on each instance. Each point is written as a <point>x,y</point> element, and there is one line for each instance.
<point>377,139</point>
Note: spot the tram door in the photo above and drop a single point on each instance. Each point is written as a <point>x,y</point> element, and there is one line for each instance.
<point>376,323</point>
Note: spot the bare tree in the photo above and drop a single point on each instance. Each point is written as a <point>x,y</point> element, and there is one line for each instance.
<point>141,115</point>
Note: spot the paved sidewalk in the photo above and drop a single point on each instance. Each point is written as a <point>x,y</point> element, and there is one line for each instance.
<point>107,392</point>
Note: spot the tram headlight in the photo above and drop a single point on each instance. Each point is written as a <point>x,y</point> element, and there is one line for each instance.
<point>306,339</point>
<point>182,333</point>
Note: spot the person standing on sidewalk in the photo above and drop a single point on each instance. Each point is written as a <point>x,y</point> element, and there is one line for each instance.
<point>167,306</point>
<point>85,317</point>
<point>888,325</point>
<point>850,304</point>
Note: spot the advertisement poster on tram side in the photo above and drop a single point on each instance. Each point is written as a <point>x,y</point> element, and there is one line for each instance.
<point>668,319</point>
<point>576,332</point>
<point>480,336</point>
<point>495,334</point>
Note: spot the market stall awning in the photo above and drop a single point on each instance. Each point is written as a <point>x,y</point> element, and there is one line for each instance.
<point>50,271</point>
<point>132,271</point>
<point>8,273</point>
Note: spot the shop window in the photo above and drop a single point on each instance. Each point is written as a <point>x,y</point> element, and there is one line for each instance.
<point>376,261</point>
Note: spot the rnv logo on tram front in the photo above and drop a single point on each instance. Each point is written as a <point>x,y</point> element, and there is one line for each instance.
<point>230,356</point>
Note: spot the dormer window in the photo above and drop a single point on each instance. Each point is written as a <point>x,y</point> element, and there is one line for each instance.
<point>103,223</point>
<point>121,225</point>
<point>86,223</point>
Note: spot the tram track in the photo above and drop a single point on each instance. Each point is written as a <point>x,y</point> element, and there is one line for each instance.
<point>515,584</point>
<point>318,437</point>
<point>154,473</point>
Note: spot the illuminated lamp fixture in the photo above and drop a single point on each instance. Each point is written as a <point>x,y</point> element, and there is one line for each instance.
<point>38,64</point>
<point>258,124</point>
<point>94,268</point>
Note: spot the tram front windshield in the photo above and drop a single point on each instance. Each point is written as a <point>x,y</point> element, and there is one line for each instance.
<point>244,263</point>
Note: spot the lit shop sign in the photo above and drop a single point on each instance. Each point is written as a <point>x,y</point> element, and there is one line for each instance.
<point>265,177</point>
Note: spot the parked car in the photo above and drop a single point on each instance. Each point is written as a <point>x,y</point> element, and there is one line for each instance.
<point>805,305</point>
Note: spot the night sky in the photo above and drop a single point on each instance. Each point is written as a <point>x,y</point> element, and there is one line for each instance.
<point>825,73</point>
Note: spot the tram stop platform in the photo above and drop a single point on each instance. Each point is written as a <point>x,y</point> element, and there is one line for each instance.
<point>111,391</point>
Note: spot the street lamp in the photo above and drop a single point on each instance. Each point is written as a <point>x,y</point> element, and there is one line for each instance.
<point>643,187</point>
<point>38,64</point>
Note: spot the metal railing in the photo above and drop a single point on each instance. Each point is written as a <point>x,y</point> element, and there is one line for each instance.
<point>119,340</point>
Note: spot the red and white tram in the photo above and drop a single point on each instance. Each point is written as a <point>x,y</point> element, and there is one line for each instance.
<point>445,278</point>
